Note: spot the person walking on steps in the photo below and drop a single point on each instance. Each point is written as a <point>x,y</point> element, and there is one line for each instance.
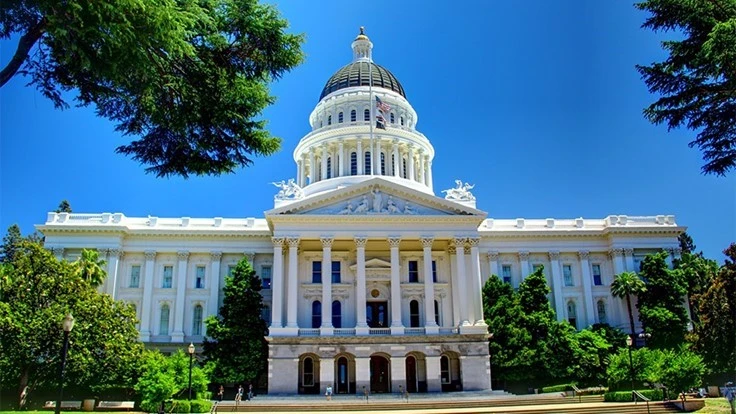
<point>328,393</point>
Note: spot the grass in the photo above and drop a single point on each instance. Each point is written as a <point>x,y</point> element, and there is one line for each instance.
<point>715,406</point>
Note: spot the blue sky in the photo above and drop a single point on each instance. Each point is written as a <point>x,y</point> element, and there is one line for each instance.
<point>539,107</point>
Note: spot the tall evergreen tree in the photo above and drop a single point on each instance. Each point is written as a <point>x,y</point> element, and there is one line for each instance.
<point>235,339</point>
<point>686,243</point>
<point>661,308</point>
<point>64,207</point>
<point>11,240</point>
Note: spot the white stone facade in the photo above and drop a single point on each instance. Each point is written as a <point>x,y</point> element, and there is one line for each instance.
<point>370,279</point>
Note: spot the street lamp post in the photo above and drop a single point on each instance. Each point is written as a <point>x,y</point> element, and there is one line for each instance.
<point>191,357</point>
<point>66,326</point>
<point>629,344</point>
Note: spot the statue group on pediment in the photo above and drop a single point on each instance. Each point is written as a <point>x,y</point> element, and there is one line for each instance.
<point>289,190</point>
<point>378,204</point>
<point>461,192</point>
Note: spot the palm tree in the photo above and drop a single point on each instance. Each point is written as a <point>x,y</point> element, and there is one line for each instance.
<point>626,285</point>
<point>90,267</point>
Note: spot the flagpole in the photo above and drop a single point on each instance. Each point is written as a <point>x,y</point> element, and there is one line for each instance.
<point>372,106</point>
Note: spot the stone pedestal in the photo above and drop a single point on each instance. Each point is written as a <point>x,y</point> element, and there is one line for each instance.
<point>434,382</point>
<point>476,372</point>
<point>282,375</point>
<point>362,374</point>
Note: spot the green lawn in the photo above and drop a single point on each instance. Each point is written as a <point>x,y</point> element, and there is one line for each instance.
<point>715,406</point>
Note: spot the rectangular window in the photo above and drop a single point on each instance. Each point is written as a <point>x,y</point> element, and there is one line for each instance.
<point>336,272</point>
<point>316,272</point>
<point>230,270</point>
<point>567,274</point>
<point>367,164</point>
<point>506,273</point>
<point>597,280</point>
<point>266,277</point>
<point>434,271</point>
<point>413,271</point>
<point>168,277</point>
<point>135,276</point>
<point>199,278</point>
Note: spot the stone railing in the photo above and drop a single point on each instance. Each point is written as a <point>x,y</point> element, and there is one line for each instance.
<point>413,331</point>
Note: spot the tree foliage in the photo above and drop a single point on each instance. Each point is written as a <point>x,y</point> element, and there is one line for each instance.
<point>90,268</point>
<point>235,341</point>
<point>624,286</point>
<point>189,79</point>
<point>163,377</point>
<point>696,80</point>
<point>698,273</point>
<point>661,308</point>
<point>37,292</point>
<point>682,370</point>
<point>64,207</point>
<point>11,241</point>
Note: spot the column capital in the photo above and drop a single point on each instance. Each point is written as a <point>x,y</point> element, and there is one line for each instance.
<point>277,241</point>
<point>150,254</point>
<point>451,249</point>
<point>493,255</point>
<point>427,242</point>
<point>215,256</point>
<point>474,241</point>
<point>115,253</point>
<point>467,249</point>
<point>360,242</point>
<point>628,251</point>
<point>524,255</point>
<point>584,254</point>
<point>326,242</point>
<point>251,256</point>
<point>393,242</point>
<point>616,252</point>
<point>182,255</point>
<point>458,242</point>
<point>554,255</point>
<point>292,241</point>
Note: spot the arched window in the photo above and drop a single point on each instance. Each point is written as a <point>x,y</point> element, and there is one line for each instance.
<point>404,167</point>
<point>329,167</point>
<point>353,116</point>
<point>367,115</point>
<point>445,369</point>
<point>197,320</point>
<point>308,372</point>
<point>353,163</point>
<point>329,119</point>
<point>572,314</point>
<point>383,164</point>
<point>163,327</point>
<point>401,120</point>
<point>393,164</point>
<point>414,314</point>
<point>336,314</point>
<point>436,312</point>
<point>602,312</point>
<point>393,120</point>
<point>316,314</point>
<point>339,118</point>
<point>367,165</point>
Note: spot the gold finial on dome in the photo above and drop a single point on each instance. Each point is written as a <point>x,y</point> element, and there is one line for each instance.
<point>362,35</point>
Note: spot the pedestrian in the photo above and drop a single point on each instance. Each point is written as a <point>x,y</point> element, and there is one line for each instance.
<point>250,391</point>
<point>220,393</point>
<point>239,394</point>
<point>328,393</point>
<point>365,393</point>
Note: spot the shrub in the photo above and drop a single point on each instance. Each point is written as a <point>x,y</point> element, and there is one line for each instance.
<point>625,396</point>
<point>201,406</point>
<point>149,406</point>
<point>180,406</point>
<point>556,388</point>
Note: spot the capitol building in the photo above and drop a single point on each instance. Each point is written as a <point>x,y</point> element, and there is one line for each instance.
<point>372,279</point>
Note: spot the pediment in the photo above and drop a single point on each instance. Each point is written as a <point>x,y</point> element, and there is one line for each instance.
<point>374,264</point>
<point>377,198</point>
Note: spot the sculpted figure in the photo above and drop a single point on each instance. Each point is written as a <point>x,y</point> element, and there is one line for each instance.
<point>460,193</point>
<point>391,206</point>
<point>377,200</point>
<point>408,209</point>
<point>288,190</point>
<point>363,206</point>
<point>348,209</point>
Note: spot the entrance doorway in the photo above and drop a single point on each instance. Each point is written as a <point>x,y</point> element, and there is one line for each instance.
<point>380,381</point>
<point>411,374</point>
<point>376,314</point>
<point>343,377</point>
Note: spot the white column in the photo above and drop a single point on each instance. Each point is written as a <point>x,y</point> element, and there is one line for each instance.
<point>430,325</point>
<point>421,166</point>
<point>312,167</point>
<point>477,288</point>
<point>277,285</point>
<point>587,288</point>
<point>397,328</point>
<point>341,151</point>
<point>292,285</point>
<point>360,156</point>
<point>629,254</point>
<point>459,243</point>
<point>147,296</point>
<point>361,327</point>
<point>524,259</point>
<point>299,172</point>
<point>410,160</point>
<point>455,287</point>
<point>429,174</point>
<point>114,256</point>
<point>327,328</point>
<point>554,257</point>
<point>214,282</point>
<point>622,314</point>
<point>397,159</point>
<point>181,286</point>
<point>426,170</point>
<point>493,262</point>
<point>324,162</point>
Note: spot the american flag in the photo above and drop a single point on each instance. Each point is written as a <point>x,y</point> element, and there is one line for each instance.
<point>382,106</point>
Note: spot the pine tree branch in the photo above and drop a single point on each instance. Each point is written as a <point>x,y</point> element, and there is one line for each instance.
<point>25,44</point>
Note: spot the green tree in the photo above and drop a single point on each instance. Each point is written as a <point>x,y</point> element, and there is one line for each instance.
<point>698,274</point>
<point>235,341</point>
<point>165,377</point>
<point>64,207</point>
<point>686,243</point>
<point>189,79</point>
<point>39,291</point>
<point>90,267</point>
<point>716,332</point>
<point>684,370</point>
<point>647,367</point>
<point>624,286</point>
<point>10,243</point>
<point>695,83</point>
<point>661,308</point>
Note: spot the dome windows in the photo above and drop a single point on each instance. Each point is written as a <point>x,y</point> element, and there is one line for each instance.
<point>353,116</point>
<point>367,115</point>
<point>339,118</point>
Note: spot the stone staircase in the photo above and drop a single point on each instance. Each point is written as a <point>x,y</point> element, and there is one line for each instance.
<point>494,402</point>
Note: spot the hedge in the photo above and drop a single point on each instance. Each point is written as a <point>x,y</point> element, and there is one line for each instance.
<point>179,406</point>
<point>201,406</point>
<point>625,396</point>
<point>556,388</point>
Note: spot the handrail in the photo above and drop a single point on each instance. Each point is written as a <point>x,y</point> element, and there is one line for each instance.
<point>636,393</point>
<point>576,391</point>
